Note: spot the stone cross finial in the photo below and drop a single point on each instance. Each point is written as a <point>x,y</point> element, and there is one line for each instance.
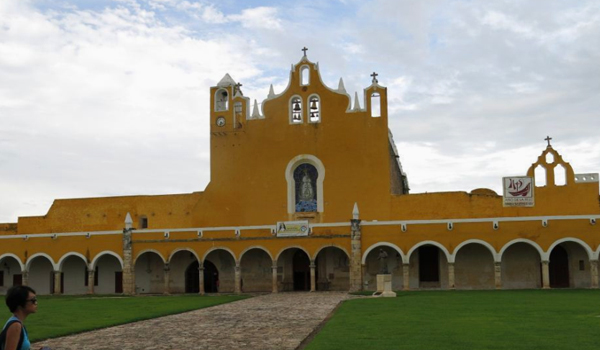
<point>548,138</point>
<point>238,86</point>
<point>374,75</point>
<point>304,49</point>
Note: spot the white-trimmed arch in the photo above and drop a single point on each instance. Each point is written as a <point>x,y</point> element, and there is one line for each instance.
<point>383,244</point>
<point>218,248</point>
<point>527,241</point>
<point>291,112</point>
<point>319,110</point>
<point>495,254</point>
<point>184,249</point>
<point>584,245</point>
<point>597,253</point>
<point>291,247</point>
<point>329,246</point>
<point>31,258</point>
<point>64,257</point>
<point>148,251</point>
<point>103,253</point>
<point>291,185</point>
<point>11,255</point>
<point>259,247</point>
<point>449,257</point>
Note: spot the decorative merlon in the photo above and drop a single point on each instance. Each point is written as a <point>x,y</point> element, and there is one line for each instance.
<point>356,102</point>
<point>255,112</point>
<point>341,88</point>
<point>271,92</point>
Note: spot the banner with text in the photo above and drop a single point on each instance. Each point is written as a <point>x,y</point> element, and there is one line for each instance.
<point>518,191</point>
<point>292,228</point>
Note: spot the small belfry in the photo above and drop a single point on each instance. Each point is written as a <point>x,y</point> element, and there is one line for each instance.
<point>286,186</point>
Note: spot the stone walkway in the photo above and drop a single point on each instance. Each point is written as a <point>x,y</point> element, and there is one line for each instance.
<point>272,321</point>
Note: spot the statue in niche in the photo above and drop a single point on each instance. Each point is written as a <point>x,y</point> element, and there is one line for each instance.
<point>305,177</point>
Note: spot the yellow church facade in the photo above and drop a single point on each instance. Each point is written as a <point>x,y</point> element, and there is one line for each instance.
<point>306,196</point>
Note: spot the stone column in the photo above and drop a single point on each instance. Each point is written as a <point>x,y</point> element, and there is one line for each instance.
<point>57,275</point>
<point>128,270</point>
<point>498,274</point>
<point>25,275</point>
<point>406,276</point>
<point>167,279</point>
<point>274,270</point>
<point>451,276</point>
<point>201,279</point>
<point>594,273</point>
<point>313,285</point>
<point>545,274</point>
<point>238,278</point>
<point>356,274</point>
<point>91,280</point>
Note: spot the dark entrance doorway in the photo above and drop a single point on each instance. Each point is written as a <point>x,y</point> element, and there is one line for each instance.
<point>118,281</point>
<point>301,268</point>
<point>429,266</point>
<point>559,268</point>
<point>192,278</point>
<point>211,278</point>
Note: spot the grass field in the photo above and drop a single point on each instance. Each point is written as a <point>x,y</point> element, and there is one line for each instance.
<point>62,315</point>
<point>531,319</point>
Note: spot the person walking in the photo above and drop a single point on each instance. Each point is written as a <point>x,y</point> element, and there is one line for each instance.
<point>22,302</point>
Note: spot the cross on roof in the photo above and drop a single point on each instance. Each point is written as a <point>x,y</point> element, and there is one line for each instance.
<point>238,86</point>
<point>548,138</point>
<point>374,75</point>
<point>304,49</point>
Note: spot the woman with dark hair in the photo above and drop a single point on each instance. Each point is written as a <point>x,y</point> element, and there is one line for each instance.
<point>21,301</point>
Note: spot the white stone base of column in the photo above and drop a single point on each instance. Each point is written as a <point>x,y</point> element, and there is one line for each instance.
<point>384,287</point>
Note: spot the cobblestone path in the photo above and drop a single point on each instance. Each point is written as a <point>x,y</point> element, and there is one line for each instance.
<point>272,321</point>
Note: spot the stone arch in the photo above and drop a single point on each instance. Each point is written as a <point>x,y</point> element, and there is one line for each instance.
<point>219,248</point>
<point>474,267</point>
<point>330,246</point>
<point>289,177</point>
<point>434,243</point>
<point>291,247</point>
<point>489,247</point>
<point>584,245</point>
<point>185,249</point>
<point>148,251</point>
<point>31,258</point>
<point>256,247</point>
<point>64,257</point>
<point>11,255</point>
<point>149,271</point>
<point>294,263</point>
<point>256,270</point>
<point>523,240</point>
<point>223,262</point>
<point>332,268</point>
<point>385,244</point>
<point>103,253</point>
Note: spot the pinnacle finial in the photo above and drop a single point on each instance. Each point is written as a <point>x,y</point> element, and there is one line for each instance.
<point>271,92</point>
<point>341,87</point>
<point>255,113</point>
<point>355,211</point>
<point>128,221</point>
<point>356,102</point>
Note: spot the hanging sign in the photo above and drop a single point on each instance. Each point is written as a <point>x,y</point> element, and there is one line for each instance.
<point>518,191</point>
<point>292,228</point>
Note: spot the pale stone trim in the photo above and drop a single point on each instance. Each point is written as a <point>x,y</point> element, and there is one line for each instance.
<point>64,257</point>
<point>434,243</point>
<point>101,254</point>
<point>588,250</point>
<point>219,248</point>
<point>31,258</point>
<point>330,246</point>
<point>291,188</point>
<point>523,240</point>
<point>495,254</point>
<point>147,251</point>
<point>6,255</point>
<point>291,247</point>
<point>383,244</point>
<point>259,247</point>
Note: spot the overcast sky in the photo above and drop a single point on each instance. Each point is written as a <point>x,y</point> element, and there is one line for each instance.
<point>107,98</point>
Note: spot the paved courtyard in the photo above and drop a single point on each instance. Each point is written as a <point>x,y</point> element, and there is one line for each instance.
<point>272,321</point>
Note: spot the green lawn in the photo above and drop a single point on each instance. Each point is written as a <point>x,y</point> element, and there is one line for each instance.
<point>62,315</point>
<point>531,319</point>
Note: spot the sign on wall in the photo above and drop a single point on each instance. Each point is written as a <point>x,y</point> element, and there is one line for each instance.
<point>292,228</point>
<point>518,191</point>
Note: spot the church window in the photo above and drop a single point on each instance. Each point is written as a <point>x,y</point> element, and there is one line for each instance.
<point>304,76</point>
<point>560,175</point>
<point>143,222</point>
<point>549,158</point>
<point>221,100</point>
<point>314,109</point>
<point>305,179</point>
<point>296,110</point>
<point>375,105</point>
<point>540,176</point>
